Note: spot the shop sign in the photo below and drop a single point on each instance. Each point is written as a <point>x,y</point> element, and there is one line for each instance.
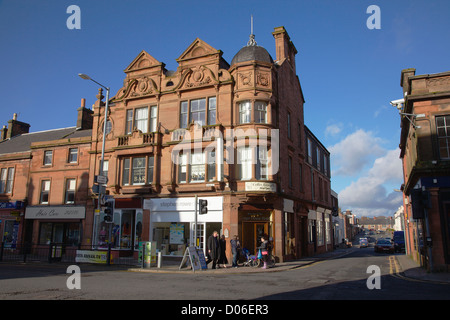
<point>55,212</point>
<point>11,205</point>
<point>91,256</point>
<point>181,204</point>
<point>261,186</point>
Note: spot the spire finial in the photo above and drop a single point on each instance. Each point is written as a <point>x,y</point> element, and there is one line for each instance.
<point>251,41</point>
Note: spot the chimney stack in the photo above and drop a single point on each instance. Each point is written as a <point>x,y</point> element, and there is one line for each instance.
<point>16,127</point>
<point>284,47</point>
<point>84,120</point>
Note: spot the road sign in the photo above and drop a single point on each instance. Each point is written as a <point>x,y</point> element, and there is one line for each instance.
<point>101,179</point>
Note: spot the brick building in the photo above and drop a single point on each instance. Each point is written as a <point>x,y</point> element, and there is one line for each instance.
<point>425,153</point>
<point>232,134</point>
<point>44,179</point>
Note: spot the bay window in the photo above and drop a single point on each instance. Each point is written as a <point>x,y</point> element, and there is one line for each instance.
<point>259,112</point>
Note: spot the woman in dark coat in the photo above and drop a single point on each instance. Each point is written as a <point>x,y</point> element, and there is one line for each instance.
<point>222,256</point>
<point>213,248</point>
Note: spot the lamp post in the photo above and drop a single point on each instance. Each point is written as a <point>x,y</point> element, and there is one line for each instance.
<point>102,159</point>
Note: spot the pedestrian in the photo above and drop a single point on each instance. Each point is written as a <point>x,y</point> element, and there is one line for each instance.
<point>213,249</point>
<point>222,255</point>
<point>235,250</point>
<point>264,247</point>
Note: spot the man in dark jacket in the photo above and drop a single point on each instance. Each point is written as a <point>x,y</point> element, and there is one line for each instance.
<point>213,248</point>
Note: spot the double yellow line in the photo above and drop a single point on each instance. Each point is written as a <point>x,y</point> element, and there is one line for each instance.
<point>394,268</point>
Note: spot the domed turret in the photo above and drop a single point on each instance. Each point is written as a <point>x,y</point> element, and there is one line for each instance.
<point>252,52</point>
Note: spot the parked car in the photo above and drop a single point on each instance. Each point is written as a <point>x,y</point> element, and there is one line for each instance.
<point>399,241</point>
<point>363,243</point>
<point>384,245</point>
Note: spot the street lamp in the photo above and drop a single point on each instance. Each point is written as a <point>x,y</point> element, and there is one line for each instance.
<point>102,159</point>
<point>86,77</point>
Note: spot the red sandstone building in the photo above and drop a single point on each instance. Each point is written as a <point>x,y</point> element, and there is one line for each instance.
<point>230,133</point>
<point>425,153</point>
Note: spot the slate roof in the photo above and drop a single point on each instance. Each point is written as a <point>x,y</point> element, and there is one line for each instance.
<point>249,53</point>
<point>22,142</point>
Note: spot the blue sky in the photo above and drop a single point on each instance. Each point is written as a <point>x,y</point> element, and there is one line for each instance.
<point>348,72</point>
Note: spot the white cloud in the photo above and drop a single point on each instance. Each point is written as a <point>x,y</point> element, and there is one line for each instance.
<point>351,155</point>
<point>368,195</point>
<point>333,129</point>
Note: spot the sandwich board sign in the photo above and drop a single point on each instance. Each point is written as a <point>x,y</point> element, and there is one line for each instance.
<point>195,257</point>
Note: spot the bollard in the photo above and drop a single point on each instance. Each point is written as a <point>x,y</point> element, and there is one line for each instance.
<point>159,259</point>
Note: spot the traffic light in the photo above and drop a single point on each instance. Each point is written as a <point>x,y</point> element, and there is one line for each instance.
<point>203,204</point>
<point>109,210</point>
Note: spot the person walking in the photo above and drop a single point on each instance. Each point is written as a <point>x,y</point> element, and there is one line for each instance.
<point>213,249</point>
<point>235,249</point>
<point>222,255</point>
<point>264,247</point>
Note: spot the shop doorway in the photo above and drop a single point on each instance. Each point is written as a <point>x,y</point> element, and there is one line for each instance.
<point>252,233</point>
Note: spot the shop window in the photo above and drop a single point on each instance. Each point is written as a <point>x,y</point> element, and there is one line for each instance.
<point>289,234</point>
<point>10,233</point>
<point>311,231</point>
<point>58,232</point>
<point>45,191</point>
<point>126,230</point>
<point>320,232</point>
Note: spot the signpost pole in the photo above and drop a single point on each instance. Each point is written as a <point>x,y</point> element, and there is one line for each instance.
<point>195,222</point>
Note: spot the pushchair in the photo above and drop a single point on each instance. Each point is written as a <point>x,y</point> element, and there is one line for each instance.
<point>251,260</point>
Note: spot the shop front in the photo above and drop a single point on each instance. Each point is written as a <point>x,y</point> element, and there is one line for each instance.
<point>11,214</point>
<point>60,225</point>
<point>125,231</point>
<point>172,223</point>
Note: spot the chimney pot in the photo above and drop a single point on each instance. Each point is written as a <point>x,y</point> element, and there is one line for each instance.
<point>83,102</point>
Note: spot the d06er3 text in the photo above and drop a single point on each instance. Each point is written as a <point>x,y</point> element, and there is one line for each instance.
<point>247,309</point>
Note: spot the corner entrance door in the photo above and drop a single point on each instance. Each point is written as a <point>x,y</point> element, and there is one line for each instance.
<point>260,229</point>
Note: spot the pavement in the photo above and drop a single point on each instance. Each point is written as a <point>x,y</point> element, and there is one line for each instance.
<point>406,268</point>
